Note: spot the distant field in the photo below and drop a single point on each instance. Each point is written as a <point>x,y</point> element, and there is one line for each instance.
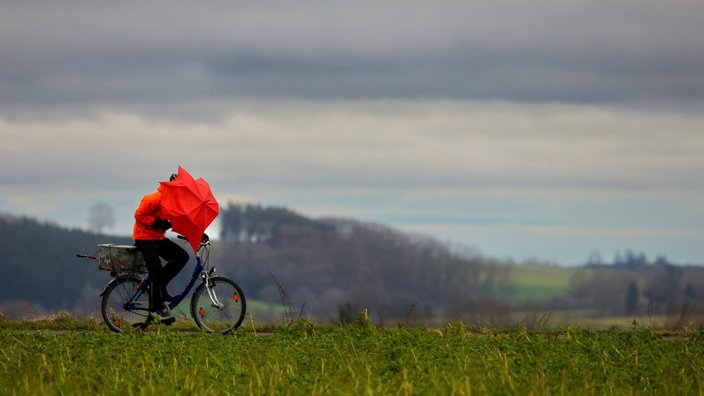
<point>261,311</point>
<point>540,282</point>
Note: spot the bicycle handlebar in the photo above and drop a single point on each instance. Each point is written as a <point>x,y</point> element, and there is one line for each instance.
<point>205,240</point>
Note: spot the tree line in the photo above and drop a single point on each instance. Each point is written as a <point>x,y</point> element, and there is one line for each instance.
<point>331,266</point>
<point>40,271</point>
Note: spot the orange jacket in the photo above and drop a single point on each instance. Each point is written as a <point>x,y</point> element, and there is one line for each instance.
<point>149,209</point>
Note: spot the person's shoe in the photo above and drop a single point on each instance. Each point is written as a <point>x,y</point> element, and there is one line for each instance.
<point>165,316</point>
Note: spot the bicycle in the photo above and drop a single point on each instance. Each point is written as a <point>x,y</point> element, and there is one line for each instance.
<point>217,303</point>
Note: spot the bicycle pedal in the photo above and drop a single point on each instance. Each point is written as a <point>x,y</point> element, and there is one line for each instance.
<point>142,325</point>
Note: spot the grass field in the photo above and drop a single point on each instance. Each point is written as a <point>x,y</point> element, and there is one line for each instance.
<point>358,359</point>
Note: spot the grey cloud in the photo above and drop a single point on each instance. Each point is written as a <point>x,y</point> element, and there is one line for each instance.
<point>587,175</point>
<point>170,53</point>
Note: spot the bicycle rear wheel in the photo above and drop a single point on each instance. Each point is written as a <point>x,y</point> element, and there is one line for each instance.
<point>122,305</point>
<point>218,305</point>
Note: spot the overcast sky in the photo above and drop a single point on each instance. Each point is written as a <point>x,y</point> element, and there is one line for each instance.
<point>529,130</point>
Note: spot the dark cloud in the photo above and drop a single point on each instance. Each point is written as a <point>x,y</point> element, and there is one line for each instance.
<point>114,54</point>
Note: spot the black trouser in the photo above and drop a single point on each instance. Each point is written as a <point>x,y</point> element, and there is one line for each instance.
<point>176,259</point>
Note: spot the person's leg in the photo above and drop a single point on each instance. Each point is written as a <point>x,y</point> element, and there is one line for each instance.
<point>176,259</point>
<point>150,252</point>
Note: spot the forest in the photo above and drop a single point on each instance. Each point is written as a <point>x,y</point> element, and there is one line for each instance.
<point>330,268</point>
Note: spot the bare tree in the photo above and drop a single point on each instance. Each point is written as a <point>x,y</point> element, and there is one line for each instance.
<point>101,216</point>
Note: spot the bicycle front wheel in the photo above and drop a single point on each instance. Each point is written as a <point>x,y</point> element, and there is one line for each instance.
<point>123,305</point>
<point>218,304</point>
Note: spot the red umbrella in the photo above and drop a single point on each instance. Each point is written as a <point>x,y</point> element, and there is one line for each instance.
<point>189,205</point>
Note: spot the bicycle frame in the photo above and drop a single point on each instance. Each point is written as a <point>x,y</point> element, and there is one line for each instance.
<point>198,272</point>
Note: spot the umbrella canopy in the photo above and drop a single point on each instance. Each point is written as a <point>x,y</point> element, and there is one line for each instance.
<point>189,205</point>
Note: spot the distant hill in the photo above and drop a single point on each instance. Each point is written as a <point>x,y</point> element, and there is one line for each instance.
<point>331,268</point>
<point>325,265</point>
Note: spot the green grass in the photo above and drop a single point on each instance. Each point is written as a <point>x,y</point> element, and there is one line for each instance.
<point>356,360</point>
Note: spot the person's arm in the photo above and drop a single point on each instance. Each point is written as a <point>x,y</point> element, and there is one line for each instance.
<point>147,210</point>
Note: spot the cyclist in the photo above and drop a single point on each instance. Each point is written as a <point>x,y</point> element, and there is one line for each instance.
<point>149,237</point>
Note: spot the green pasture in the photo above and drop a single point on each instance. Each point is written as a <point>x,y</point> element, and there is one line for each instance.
<point>358,359</point>
<point>540,282</point>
